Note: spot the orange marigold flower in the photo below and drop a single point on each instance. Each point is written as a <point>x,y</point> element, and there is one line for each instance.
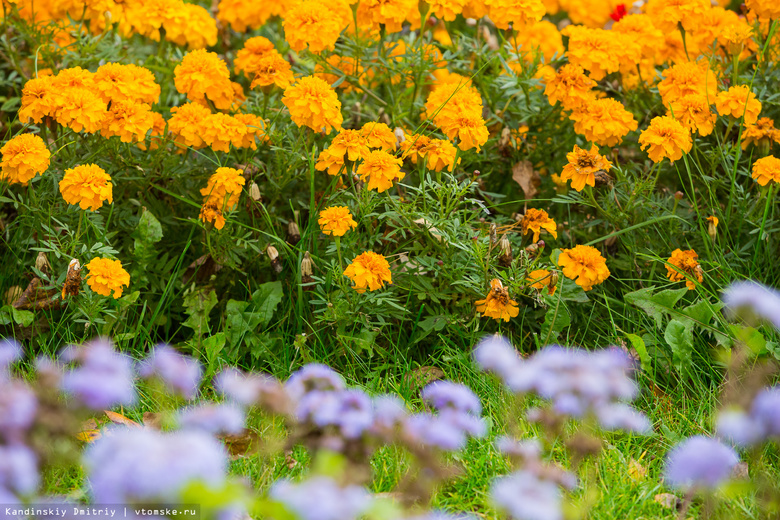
<point>468,129</point>
<point>767,9</point>
<point>475,9</point>
<point>272,69</point>
<point>336,221</point>
<point>73,77</point>
<point>694,112</point>
<point>349,143</point>
<point>23,157</point>
<point>118,82</point>
<point>313,103</point>
<point>516,12</point>
<point>315,24</point>
<point>540,38</point>
<point>640,28</point>
<point>193,26</point>
<point>600,51</point>
<point>452,100</point>
<point>541,278</point>
<point>87,185</point>
<point>766,169</point>
<point>247,14</point>
<point>254,49</point>
<point>738,101</point>
<point>536,220</point>
<point>381,169</point>
<point>413,146</point>
<point>665,137</point>
<point>219,131</point>
<point>203,75</point>
<point>106,275</point>
<point>666,14</point>
<point>79,109</point>
<point>583,165</point>
<point>603,121</point>
<point>224,188</point>
<point>447,9</point>
<point>255,129</point>
<point>390,13</point>
<point>185,124</point>
<point>688,78</point>
<point>37,99</point>
<point>570,86</point>
<point>369,271</point>
<point>684,265</point>
<point>439,153</point>
<point>129,120</point>
<point>158,131</point>
<point>347,66</point>
<point>333,164</point>
<point>379,135</point>
<point>210,211</point>
<point>584,265</point>
<point>497,304</point>
<point>762,133</point>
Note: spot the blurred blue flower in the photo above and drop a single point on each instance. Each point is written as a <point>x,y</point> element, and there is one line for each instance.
<point>246,389</point>
<point>739,428</point>
<point>754,299</point>
<point>495,354</point>
<point>766,410</point>
<point>181,373</point>
<point>389,412</point>
<point>103,377</point>
<point>620,416</point>
<point>313,377</point>
<point>446,395</point>
<point>525,497</point>
<point>699,462</point>
<point>320,498</point>
<point>10,351</point>
<point>213,418</point>
<point>18,406</point>
<point>350,411</point>
<point>18,469</point>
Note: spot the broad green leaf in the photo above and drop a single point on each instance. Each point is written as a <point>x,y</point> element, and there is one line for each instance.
<point>198,305</point>
<point>679,336</point>
<point>655,305</point>
<point>641,349</point>
<point>23,318</point>
<point>266,299</point>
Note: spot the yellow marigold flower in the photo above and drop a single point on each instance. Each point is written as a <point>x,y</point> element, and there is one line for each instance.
<point>604,121</point>
<point>684,266</point>
<point>333,164</point>
<point>247,14</point>
<point>469,130</point>
<point>272,69</point>
<point>536,220</point>
<point>762,133</point>
<point>688,78</point>
<point>118,82</point>
<point>158,131</point>
<point>540,38</point>
<point>219,131</point>
<point>210,211</point>
<point>439,153</point>
<point>517,12</point>
<point>665,137</point>
<point>105,275</point>
<point>185,124</point>
<point>475,9</point>
<point>570,86</point>
<point>87,185</point>
<point>497,304</point>
<point>224,188</point>
<point>336,221</point>
<point>203,75</point>
<point>369,271</point>
<point>582,167</point>
<point>599,51</point>
<point>381,169</point>
<point>541,278</point>
<point>193,26</point>
<point>24,157</point>
<point>347,66</point>
<point>349,143</point>
<point>128,120</point>
<point>766,169</point>
<point>640,28</point>
<point>738,101</point>
<point>37,100</point>
<point>584,265</point>
<point>390,13</point>
<point>313,103</point>
<point>379,135</point>
<point>667,14</point>
<point>73,77</point>
<point>694,112</point>
<point>79,109</point>
<point>447,9</point>
<point>255,129</point>
<point>451,101</point>
<point>768,9</point>
<point>315,24</point>
<point>254,49</point>
<point>413,146</point>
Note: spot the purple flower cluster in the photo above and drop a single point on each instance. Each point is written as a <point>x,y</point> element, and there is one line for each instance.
<point>577,381</point>
<point>180,373</point>
<point>320,498</point>
<point>699,462</point>
<point>18,406</point>
<point>753,300</point>
<point>103,378</point>
<point>524,496</point>
<point>139,465</point>
<point>212,418</point>
<point>760,422</point>
<point>10,351</point>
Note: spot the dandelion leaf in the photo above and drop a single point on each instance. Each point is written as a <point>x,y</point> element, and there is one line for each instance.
<point>656,305</point>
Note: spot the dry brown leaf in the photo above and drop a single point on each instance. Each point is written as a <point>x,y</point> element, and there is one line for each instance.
<point>523,173</point>
<point>435,233</point>
<point>636,471</point>
<point>241,444</point>
<point>152,420</point>
<point>667,500</point>
<point>289,460</point>
<point>740,471</point>
<point>421,376</point>
<point>89,431</point>
<point>118,418</point>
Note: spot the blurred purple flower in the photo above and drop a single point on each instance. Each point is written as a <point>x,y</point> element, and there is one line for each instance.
<point>739,428</point>
<point>103,377</point>
<point>246,389</point>
<point>755,298</point>
<point>18,406</point>
<point>620,416</point>
<point>140,465</point>
<point>18,469</point>
<point>313,377</point>
<point>527,449</point>
<point>320,498</point>
<point>446,395</point>
<point>445,431</point>
<point>441,515</point>
<point>213,418</point>
<point>348,410</point>
<point>389,412</point>
<point>699,462</point>
<point>496,354</point>
<point>181,373</point>
<point>10,351</point>
<point>525,497</point>
<point>766,410</point>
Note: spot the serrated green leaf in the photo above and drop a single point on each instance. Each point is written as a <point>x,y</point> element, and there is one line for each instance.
<point>679,336</point>
<point>655,305</point>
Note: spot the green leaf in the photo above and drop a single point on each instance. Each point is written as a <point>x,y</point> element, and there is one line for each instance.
<point>148,230</point>
<point>679,336</point>
<point>641,349</point>
<point>198,305</point>
<point>213,346</point>
<point>23,318</point>
<point>572,292</point>
<point>556,319</point>
<point>655,305</point>
<point>266,299</point>
<point>6,315</point>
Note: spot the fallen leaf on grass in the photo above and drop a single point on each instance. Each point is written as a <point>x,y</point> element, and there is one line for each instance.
<point>667,500</point>
<point>523,173</point>
<point>118,418</point>
<point>636,471</point>
<point>421,376</point>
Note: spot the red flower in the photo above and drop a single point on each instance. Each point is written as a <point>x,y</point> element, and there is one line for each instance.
<point>619,12</point>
